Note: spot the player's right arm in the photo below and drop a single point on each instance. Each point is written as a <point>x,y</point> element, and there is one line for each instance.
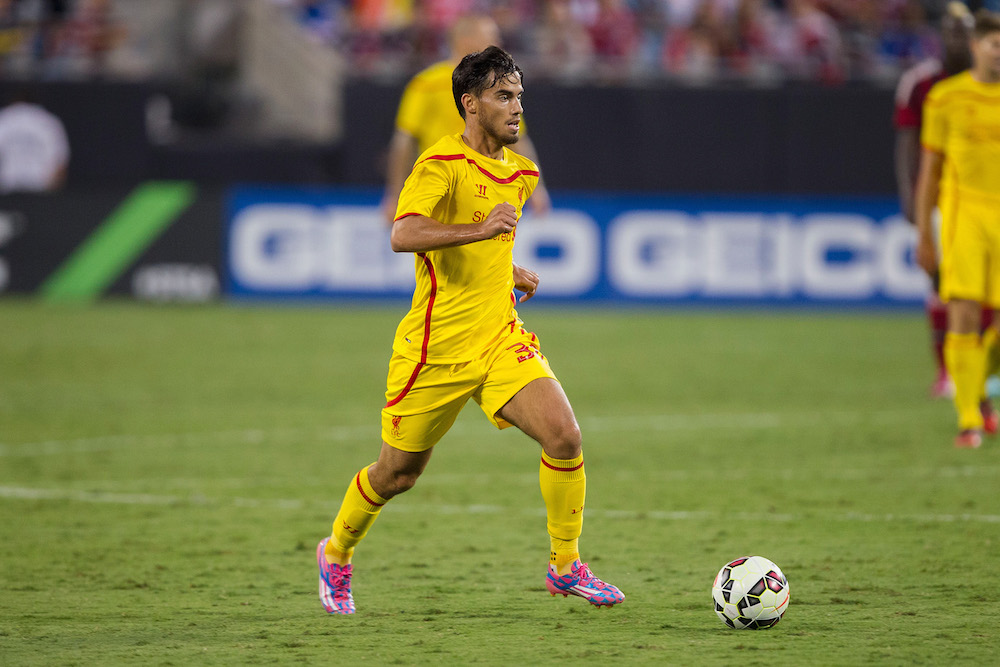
<point>907,159</point>
<point>419,233</point>
<point>933,138</point>
<point>928,186</point>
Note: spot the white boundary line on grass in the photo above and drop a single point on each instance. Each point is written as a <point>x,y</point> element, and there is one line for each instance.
<point>655,423</point>
<point>29,493</point>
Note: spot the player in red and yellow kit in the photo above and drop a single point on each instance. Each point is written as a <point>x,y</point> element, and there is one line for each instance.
<point>961,157</point>
<point>911,92</point>
<point>462,337</point>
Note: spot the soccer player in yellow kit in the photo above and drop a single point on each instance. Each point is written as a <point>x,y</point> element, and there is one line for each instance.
<point>961,158</point>
<point>427,111</point>
<point>462,337</point>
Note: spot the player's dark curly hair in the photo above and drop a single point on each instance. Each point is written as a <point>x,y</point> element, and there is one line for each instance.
<point>987,22</point>
<point>481,71</point>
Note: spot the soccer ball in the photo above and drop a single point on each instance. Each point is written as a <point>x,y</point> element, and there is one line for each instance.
<point>750,593</point>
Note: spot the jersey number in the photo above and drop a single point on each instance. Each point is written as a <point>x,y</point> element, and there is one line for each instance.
<point>523,351</point>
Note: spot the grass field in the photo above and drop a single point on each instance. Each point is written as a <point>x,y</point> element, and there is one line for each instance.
<point>165,474</point>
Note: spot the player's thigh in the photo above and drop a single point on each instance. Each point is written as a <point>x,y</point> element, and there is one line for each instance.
<point>542,411</point>
<point>516,361</point>
<point>423,401</point>
<point>965,264</point>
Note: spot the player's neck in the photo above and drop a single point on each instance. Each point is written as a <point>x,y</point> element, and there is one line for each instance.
<point>482,143</point>
<point>985,75</point>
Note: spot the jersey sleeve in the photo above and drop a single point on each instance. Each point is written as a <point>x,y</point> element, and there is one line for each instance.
<point>934,131</point>
<point>426,185</point>
<point>410,112</point>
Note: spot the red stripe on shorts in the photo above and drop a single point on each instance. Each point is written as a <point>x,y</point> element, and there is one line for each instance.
<point>427,331</point>
<point>407,388</point>
<point>430,306</point>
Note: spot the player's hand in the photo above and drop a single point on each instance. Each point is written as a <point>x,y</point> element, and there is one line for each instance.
<point>525,281</point>
<point>927,254</point>
<point>502,219</point>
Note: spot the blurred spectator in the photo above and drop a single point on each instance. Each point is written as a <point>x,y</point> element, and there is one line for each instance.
<point>34,150</point>
<point>562,43</point>
<point>614,34</point>
<point>86,39</point>
<point>909,38</point>
<point>817,49</point>
<point>695,50</point>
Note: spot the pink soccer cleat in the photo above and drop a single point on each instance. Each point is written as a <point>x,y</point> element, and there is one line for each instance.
<point>970,438</point>
<point>582,582</point>
<point>943,387</point>
<point>334,584</point>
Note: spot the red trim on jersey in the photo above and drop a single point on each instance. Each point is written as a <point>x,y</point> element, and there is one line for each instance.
<point>549,465</point>
<point>405,215</point>
<point>365,495</point>
<point>510,179</point>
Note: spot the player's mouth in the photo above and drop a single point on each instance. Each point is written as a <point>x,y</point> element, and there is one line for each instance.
<point>514,124</point>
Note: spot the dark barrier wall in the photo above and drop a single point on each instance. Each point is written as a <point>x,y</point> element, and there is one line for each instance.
<point>789,140</point>
<point>794,139</point>
<point>105,123</point>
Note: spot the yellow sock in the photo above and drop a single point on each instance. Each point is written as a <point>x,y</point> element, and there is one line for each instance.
<point>966,361</point>
<point>357,513</point>
<point>991,344</point>
<point>564,489</point>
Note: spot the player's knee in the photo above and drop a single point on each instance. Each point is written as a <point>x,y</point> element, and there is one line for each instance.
<point>565,440</point>
<point>389,482</point>
<point>402,481</point>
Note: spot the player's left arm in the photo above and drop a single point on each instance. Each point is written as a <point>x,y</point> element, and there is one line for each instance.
<point>540,201</point>
<point>525,281</point>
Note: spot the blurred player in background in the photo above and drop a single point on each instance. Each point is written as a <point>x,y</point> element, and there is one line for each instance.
<point>463,338</point>
<point>427,111</point>
<point>910,95</point>
<point>960,173</point>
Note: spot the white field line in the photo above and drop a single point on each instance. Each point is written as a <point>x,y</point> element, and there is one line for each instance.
<point>624,424</point>
<point>29,493</point>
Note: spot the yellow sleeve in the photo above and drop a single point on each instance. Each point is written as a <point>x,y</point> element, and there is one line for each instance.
<point>934,132</point>
<point>427,184</point>
<point>409,116</point>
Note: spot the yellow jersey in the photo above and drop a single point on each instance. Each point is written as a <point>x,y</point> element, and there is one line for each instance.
<point>962,121</point>
<point>427,109</point>
<point>464,295</point>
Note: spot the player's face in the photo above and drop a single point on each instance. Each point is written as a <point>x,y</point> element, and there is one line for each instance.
<point>500,110</point>
<point>986,56</point>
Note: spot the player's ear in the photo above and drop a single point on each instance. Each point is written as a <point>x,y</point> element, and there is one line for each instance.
<point>470,103</point>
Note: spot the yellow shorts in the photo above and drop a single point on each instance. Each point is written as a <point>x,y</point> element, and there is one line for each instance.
<point>970,253</point>
<point>423,400</point>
